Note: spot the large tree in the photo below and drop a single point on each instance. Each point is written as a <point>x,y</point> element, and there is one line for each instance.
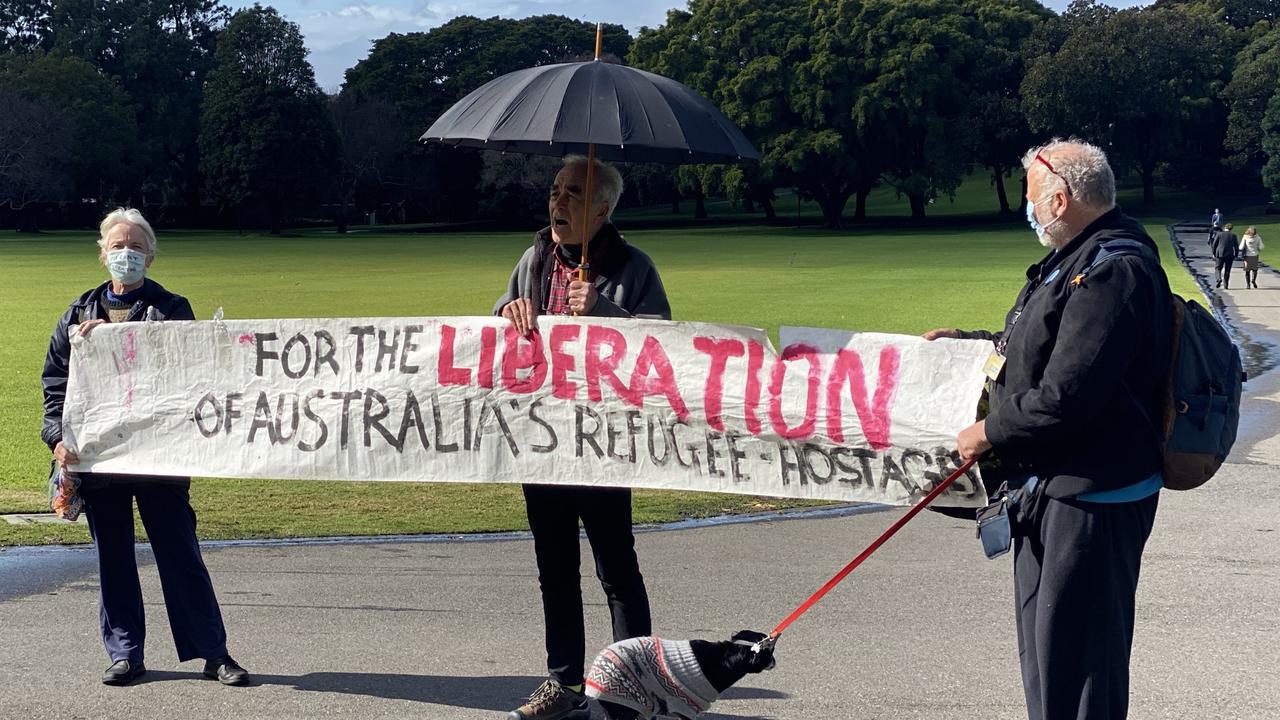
<point>373,144</point>
<point>994,109</point>
<point>743,56</point>
<point>161,52</point>
<point>1141,83</point>
<point>98,113</point>
<point>422,74</point>
<point>266,137</point>
<point>1255,82</point>
<point>35,152</point>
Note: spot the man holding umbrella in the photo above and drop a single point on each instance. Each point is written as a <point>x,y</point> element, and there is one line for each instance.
<point>620,282</point>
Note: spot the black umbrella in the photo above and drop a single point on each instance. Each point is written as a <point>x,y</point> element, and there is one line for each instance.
<point>629,115</point>
<point>606,111</point>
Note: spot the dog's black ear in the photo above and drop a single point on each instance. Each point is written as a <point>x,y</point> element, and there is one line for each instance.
<point>755,661</point>
<point>749,637</point>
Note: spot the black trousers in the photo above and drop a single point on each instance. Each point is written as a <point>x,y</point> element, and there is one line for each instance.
<point>170,522</point>
<point>554,511</point>
<point>1075,577</point>
<point>1223,267</point>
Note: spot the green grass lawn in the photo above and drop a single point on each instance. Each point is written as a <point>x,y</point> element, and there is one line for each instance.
<point>903,280</point>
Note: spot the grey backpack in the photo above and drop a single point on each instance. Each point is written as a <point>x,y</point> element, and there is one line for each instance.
<point>1202,412</point>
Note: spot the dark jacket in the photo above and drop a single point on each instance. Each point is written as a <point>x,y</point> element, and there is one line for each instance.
<point>1084,382</point>
<point>156,303</point>
<point>626,279</point>
<point>1224,245</point>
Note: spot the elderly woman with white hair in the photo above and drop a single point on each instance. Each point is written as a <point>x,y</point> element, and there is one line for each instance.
<point>622,282</point>
<point>127,247</point>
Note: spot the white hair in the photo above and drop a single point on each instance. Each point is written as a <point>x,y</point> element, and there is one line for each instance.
<point>132,217</point>
<point>1079,168</point>
<point>608,181</point>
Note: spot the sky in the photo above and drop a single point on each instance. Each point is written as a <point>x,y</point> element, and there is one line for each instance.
<point>339,33</point>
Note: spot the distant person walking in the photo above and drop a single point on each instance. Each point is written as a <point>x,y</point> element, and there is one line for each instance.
<point>1250,247</point>
<point>1224,246</point>
<point>1215,220</point>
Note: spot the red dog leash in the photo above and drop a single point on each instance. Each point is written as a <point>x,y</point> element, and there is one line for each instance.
<point>814,598</point>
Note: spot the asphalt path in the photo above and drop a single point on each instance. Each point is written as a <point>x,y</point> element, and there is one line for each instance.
<point>441,629</point>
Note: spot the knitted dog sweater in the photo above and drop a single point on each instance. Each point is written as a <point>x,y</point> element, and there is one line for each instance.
<point>651,676</point>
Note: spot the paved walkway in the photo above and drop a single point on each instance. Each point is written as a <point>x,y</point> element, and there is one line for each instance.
<point>451,630</point>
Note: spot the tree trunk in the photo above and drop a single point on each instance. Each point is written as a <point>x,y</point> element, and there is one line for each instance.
<point>747,205</point>
<point>769,213</point>
<point>28,220</point>
<point>917,206</point>
<point>342,216</point>
<point>700,206</point>
<point>1149,185</point>
<point>675,202</point>
<point>833,208</point>
<point>1000,193</point>
<point>860,204</point>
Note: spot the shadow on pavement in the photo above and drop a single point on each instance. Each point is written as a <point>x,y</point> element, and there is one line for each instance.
<point>498,692</point>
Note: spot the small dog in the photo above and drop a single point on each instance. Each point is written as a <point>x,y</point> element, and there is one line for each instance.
<point>650,677</point>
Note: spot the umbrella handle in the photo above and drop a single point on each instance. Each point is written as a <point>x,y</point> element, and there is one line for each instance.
<point>586,211</point>
<point>591,166</point>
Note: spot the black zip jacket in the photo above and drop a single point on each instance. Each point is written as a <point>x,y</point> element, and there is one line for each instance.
<point>156,303</point>
<point>1085,378</point>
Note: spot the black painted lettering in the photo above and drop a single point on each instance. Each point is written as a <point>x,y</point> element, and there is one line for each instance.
<point>386,349</point>
<point>281,438</point>
<point>580,434</point>
<point>552,441</point>
<point>231,412</point>
<point>412,418</point>
<point>818,465</point>
<point>208,402</point>
<point>656,430</point>
<point>408,345</point>
<point>319,421</point>
<point>441,445</point>
<point>360,332</point>
<point>713,439</point>
<point>262,418</point>
<point>347,398</point>
<point>260,341</point>
<point>373,420</point>
<point>325,348</point>
<point>289,345</point>
<point>736,454</point>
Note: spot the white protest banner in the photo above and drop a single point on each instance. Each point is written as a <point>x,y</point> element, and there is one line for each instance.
<point>585,401</point>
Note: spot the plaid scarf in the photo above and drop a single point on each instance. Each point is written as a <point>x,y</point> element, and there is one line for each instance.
<point>652,676</point>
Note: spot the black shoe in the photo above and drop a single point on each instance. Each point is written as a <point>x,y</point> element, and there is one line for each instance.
<point>123,672</point>
<point>226,671</point>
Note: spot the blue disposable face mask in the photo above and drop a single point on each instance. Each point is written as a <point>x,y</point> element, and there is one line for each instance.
<point>1036,227</point>
<point>126,265</point>
<point>1031,219</point>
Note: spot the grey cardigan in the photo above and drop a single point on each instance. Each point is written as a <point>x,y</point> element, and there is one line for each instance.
<point>627,280</point>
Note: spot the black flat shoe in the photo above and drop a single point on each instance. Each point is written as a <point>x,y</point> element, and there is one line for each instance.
<point>226,671</point>
<point>123,672</point>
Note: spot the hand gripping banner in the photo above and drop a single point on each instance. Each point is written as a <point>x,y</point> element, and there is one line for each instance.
<point>585,401</point>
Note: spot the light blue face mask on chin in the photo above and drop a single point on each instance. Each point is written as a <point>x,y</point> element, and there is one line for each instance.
<point>1031,219</point>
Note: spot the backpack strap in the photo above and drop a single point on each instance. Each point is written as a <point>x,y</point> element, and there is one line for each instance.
<point>1113,249</point>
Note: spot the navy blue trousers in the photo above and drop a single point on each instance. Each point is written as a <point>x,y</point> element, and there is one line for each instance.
<point>170,523</point>
<point>1075,578</point>
<point>606,516</point>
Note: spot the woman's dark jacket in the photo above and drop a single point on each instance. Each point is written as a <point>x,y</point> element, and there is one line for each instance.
<point>155,303</point>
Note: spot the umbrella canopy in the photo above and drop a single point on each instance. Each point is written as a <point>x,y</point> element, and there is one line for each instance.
<point>629,115</point>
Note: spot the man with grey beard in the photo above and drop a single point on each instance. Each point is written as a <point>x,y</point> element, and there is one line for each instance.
<point>1077,395</point>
